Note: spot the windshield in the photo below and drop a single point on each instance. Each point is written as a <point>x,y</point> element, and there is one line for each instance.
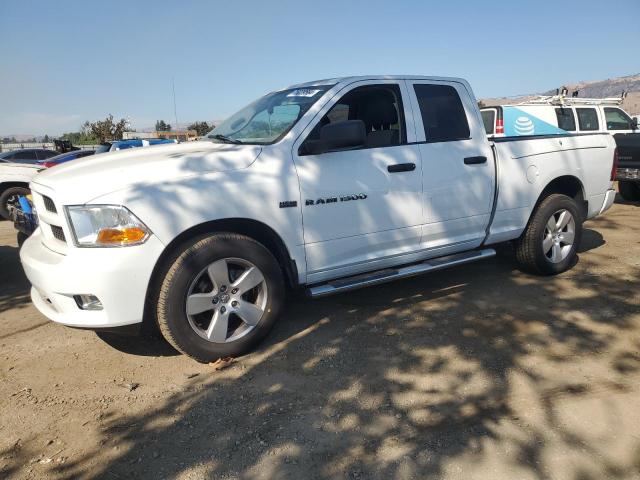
<point>269,118</point>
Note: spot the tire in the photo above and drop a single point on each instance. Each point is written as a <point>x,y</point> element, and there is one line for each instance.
<point>194,300</point>
<point>8,197</point>
<point>630,191</point>
<point>546,251</point>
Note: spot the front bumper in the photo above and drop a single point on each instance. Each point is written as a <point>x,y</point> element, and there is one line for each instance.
<point>119,277</point>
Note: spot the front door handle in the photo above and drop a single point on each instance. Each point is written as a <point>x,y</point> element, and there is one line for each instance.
<point>401,167</point>
<point>475,160</point>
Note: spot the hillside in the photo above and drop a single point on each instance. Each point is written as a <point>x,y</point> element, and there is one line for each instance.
<point>611,87</point>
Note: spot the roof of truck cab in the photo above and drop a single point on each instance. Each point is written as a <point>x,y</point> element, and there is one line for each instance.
<point>334,81</point>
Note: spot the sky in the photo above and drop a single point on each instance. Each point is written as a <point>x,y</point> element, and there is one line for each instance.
<point>64,62</point>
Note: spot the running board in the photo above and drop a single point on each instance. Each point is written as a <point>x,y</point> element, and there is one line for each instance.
<point>389,274</point>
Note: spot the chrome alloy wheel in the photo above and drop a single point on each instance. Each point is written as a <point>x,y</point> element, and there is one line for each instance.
<point>226,300</point>
<point>559,235</point>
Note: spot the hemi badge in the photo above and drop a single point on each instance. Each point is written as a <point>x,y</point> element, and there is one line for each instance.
<point>288,204</point>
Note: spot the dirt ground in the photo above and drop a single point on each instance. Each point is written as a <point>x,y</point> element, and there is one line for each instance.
<point>478,372</point>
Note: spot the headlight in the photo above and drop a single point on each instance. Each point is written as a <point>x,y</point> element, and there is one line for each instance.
<point>105,226</point>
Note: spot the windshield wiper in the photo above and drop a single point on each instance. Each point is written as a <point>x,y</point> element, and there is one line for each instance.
<point>225,139</point>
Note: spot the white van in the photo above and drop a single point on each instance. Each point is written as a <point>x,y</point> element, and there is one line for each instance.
<point>558,115</point>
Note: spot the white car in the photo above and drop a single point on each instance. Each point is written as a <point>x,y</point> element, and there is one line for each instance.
<point>14,181</point>
<point>325,186</point>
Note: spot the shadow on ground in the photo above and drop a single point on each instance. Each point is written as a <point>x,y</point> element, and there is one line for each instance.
<point>393,381</point>
<point>144,345</point>
<point>14,286</point>
<point>591,239</point>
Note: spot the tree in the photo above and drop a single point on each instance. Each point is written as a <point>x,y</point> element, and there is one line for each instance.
<point>80,138</point>
<point>46,139</point>
<point>202,128</point>
<point>161,126</point>
<point>106,129</point>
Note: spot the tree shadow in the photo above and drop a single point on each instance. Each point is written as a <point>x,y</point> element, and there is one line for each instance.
<point>394,381</point>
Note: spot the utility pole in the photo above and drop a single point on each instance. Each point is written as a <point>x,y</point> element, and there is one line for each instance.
<point>175,111</point>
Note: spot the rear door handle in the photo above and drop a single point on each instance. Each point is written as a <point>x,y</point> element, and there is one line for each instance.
<point>401,167</point>
<point>475,160</point>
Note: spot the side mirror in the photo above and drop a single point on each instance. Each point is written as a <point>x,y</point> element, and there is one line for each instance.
<point>345,135</point>
<point>634,123</point>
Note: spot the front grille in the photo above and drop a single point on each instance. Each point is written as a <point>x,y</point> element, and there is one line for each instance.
<point>58,233</point>
<point>628,174</point>
<point>49,205</point>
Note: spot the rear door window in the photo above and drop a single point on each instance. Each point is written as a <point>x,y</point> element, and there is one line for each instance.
<point>443,115</point>
<point>617,119</point>
<point>587,119</point>
<point>566,121</point>
<point>489,121</point>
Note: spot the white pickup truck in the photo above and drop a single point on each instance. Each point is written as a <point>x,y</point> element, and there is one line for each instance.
<point>324,187</point>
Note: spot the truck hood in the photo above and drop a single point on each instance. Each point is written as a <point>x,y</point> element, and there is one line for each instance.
<point>86,178</point>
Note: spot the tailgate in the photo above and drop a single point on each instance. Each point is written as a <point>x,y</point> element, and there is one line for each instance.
<point>628,150</point>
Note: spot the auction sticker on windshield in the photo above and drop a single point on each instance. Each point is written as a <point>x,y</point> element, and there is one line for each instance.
<point>303,92</point>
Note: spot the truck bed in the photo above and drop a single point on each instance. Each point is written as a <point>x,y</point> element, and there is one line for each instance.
<point>527,164</point>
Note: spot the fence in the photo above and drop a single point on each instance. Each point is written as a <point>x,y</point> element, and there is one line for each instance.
<point>7,147</point>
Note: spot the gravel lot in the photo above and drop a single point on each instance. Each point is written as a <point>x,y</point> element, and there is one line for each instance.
<point>478,372</point>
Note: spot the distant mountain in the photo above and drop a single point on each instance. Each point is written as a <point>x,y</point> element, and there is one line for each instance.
<point>611,87</point>
<point>22,138</point>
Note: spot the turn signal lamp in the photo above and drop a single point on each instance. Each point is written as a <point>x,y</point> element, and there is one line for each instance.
<point>121,236</point>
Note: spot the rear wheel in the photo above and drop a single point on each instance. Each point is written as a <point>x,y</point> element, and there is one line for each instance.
<point>549,243</point>
<point>9,199</point>
<point>630,191</point>
<point>220,297</point>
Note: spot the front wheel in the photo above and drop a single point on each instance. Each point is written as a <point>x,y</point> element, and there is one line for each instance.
<point>220,297</point>
<point>549,243</point>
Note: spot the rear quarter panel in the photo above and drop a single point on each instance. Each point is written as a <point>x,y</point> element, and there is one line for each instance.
<point>527,166</point>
